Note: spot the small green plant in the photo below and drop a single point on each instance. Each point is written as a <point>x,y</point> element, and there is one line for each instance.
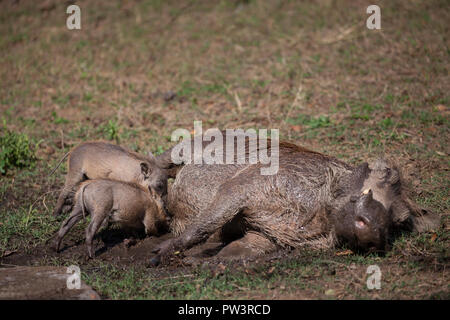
<point>16,151</point>
<point>364,112</point>
<point>57,119</point>
<point>386,123</point>
<point>159,150</point>
<point>110,130</point>
<point>88,97</point>
<point>319,122</point>
<point>214,88</point>
<point>311,122</point>
<point>189,89</point>
<point>260,83</point>
<point>186,90</point>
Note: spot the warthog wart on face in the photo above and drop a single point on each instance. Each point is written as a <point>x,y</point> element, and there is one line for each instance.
<point>314,200</point>
<point>132,206</point>
<point>101,160</point>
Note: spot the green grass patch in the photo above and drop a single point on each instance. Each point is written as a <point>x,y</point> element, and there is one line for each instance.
<point>363,111</point>
<point>57,119</point>
<point>310,121</point>
<point>110,130</point>
<point>189,89</point>
<point>17,151</point>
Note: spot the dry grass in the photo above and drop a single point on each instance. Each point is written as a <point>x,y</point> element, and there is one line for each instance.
<point>140,69</point>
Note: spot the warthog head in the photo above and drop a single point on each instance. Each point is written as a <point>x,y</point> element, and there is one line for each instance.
<point>154,175</point>
<point>364,223</point>
<point>372,215</point>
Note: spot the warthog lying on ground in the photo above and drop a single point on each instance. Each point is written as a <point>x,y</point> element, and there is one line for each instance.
<point>313,200</point>
<point>131,205</point>
<point>101,160</point>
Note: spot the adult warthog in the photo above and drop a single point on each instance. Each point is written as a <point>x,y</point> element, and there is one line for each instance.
<point>313,200</point>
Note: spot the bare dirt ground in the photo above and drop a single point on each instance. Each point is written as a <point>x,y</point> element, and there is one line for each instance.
<point>138,70</point>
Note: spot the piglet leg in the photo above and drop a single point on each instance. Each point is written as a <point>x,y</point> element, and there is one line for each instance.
<point>75,216</point>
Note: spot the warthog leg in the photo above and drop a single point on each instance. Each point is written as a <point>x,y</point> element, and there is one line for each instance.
<point>75,216</point>
<point>99,218</point>
<point>252,244</point>
<point>227,203</point>
<point>65,196</point>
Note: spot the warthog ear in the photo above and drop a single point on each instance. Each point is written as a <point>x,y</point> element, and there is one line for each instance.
<point>145,169</point>
<point>407,215</point>
<point>426,221</point>
<point>385,171</point>
<point>151,156</point>
<point>392,175</point>
<point>348,183</point>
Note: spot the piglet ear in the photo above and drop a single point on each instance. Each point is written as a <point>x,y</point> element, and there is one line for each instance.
<point>145,169</point>
<point>151,155</point>
<point>392,175</point>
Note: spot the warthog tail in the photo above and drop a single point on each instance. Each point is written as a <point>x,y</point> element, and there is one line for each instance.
<point>59,163</point>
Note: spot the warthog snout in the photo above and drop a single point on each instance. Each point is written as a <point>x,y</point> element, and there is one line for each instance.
<point>371,222</point>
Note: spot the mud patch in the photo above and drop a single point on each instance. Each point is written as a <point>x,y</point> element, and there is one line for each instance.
<point>110,246</point>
